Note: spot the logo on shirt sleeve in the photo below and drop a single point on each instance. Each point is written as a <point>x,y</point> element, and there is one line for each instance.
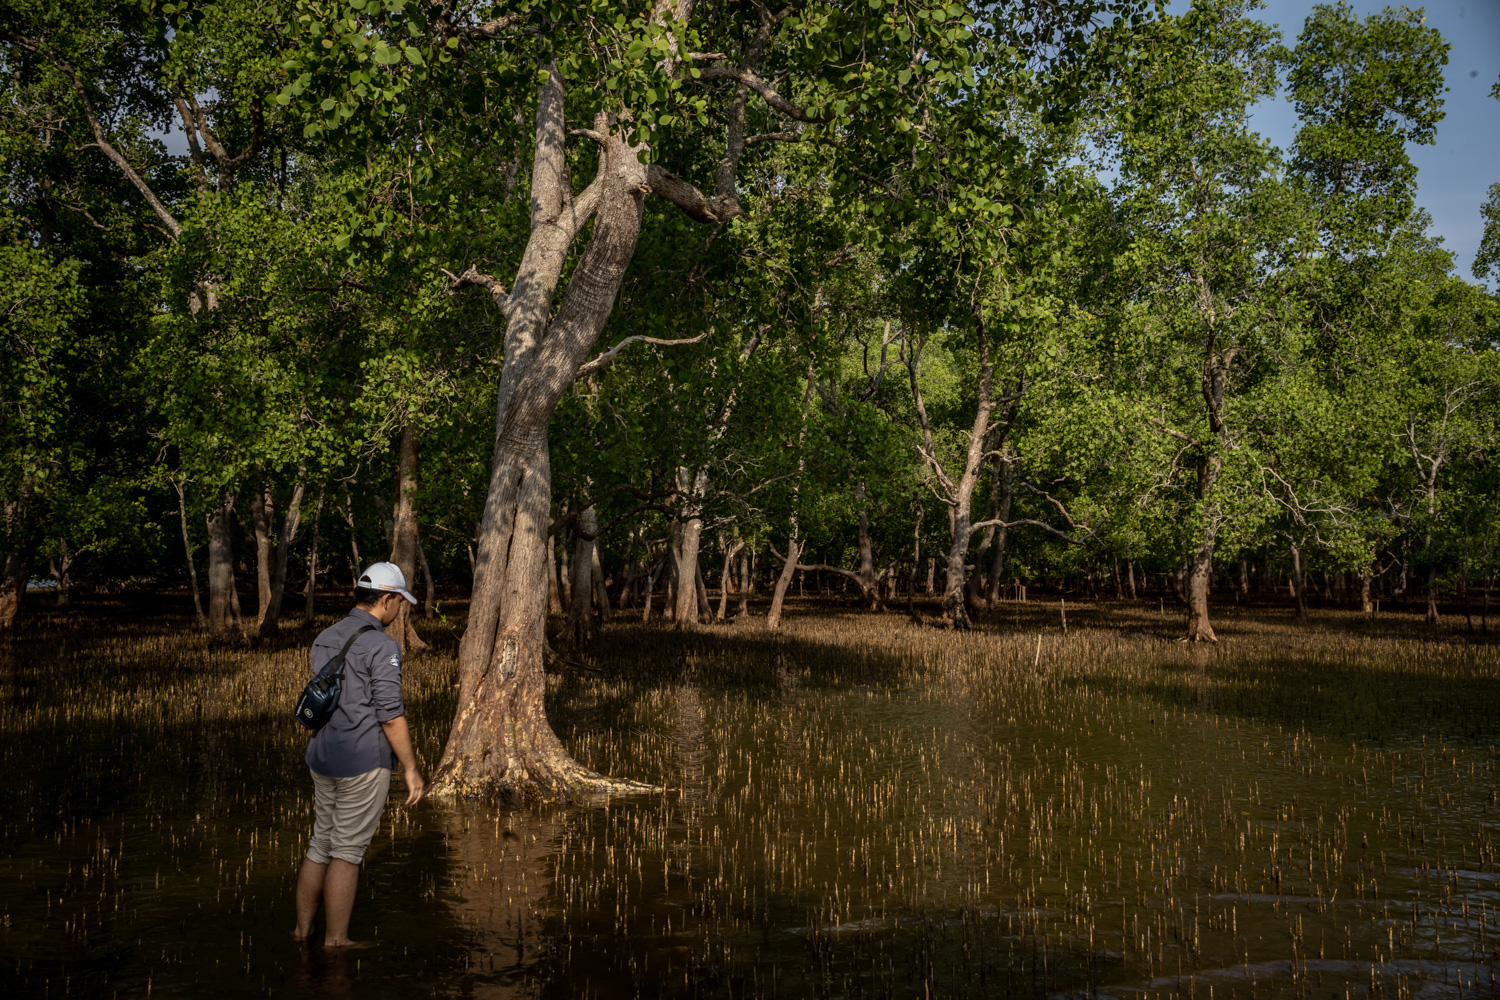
<point>396,660</point>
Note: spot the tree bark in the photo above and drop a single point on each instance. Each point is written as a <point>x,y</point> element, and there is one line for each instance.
<point>404,540</point>
<point>359,563</point>
<point>916,561</point>
<point>601,592</point>
<point>726,578</point>
<point>960,493</point>
<point>651,577</point>
<point>1299,586</point>
<point>1006,482</point>
<point>223,597</point>
<point>1366,605</point>
<point>1432,592</point>
<point>187,547</point>
<point>747,581</point>
<point>270,614</point>
<point>704,609</point>
<point>13,579</point>
<point>565,576</point>
<point>580,614</point>
<point>59,566</point>
<point>793,544</point>
<point>1130,577</point>
<point>688,539</point>
<point>429,585</point>
<point>554,593</point>
<point>262,515</point>
<point>869,583</point>
<point>312,562</point>
<point>783,581</point>
<point>501,741</point>
<point>1200,576</point>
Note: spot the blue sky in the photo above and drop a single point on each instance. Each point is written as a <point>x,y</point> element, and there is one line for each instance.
<point>1454,174</point>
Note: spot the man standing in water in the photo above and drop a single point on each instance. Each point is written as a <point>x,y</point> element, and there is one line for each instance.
<point>351,758</point>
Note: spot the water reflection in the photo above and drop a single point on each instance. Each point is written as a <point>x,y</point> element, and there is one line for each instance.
<point>893,812</point>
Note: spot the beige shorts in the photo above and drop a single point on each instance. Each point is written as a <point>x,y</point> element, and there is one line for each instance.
<point>346,814</point>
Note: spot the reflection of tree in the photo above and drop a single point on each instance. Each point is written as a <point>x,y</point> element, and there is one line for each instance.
<point>501,871</point>
<point>687,761</point>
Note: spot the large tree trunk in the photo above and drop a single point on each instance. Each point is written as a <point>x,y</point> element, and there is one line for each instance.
<point>1299,584</point>
<point>187,546</point>
<point>262,516</point>
<point>778,596</point>
<point>1366,605</point>
<point>270,613</point>
<point>501,741</point>
<point>1199,577</point>
<point>404,541</point>
<point>223,597</point>
<point>955,608</point>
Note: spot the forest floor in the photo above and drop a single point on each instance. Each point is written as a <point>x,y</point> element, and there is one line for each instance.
<point>858,804</point>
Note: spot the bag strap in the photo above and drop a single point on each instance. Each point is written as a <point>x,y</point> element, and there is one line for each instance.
<point>345,651</point>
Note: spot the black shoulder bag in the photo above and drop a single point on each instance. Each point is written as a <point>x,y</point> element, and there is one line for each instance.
<point>321,695</point>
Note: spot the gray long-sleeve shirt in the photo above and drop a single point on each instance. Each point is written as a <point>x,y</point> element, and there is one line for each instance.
<point>352,742</point>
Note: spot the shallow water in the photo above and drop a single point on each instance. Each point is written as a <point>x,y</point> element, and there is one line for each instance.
<point>858,808</point>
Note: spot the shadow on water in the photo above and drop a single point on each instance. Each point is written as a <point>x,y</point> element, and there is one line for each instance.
<point>858,806</point>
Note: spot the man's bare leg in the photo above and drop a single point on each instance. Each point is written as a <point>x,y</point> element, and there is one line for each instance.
<point>309,891</point>
<point>338,901</point>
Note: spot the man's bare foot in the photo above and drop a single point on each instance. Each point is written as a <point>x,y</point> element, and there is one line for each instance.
<point>347,945</point>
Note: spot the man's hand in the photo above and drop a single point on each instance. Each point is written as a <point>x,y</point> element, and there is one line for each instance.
<point>416,788</point>
<point>400,740</point>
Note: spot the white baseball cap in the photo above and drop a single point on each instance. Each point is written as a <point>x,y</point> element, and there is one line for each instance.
<point>385,576</point>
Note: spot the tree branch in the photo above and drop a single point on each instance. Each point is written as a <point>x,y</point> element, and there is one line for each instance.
<point>603,361</point>
<point>685,196</point>
<point>473,277</point>
<point>767,93</point>
<point>104,145</point>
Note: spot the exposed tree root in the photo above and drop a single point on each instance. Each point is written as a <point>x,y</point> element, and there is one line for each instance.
<point>559,783</point>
